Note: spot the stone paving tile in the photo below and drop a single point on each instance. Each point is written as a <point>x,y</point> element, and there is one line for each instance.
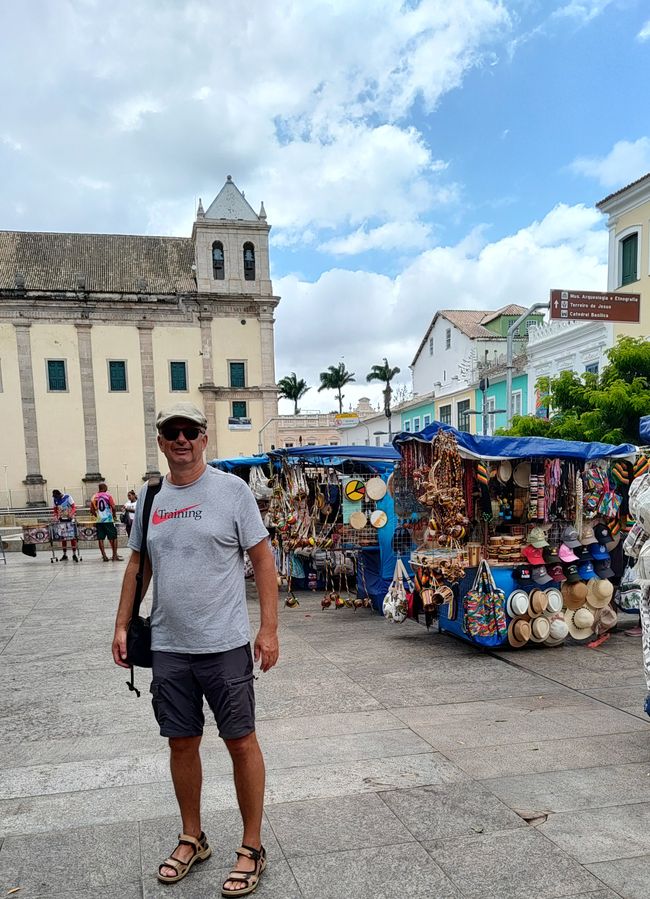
<point>515,719</point>
<point>535,757</point>
<point>603,834</point>
<point>516,864</point>
<point>438,811</point>
<point>628,699</point>
<point>629,877</point>
<point>565,791</point>
<point>333,825</point>
<point>64,862</point>
<point>391,872</point>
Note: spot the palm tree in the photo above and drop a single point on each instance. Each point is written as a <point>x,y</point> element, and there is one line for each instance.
<point>292,388</point>
<point>386,374</point>
<point>336,377</point>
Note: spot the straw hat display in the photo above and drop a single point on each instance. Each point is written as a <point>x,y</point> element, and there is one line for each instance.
<point>538,603</point>
<point>581,623</point>
<point>554,601</point>
<point>540,629</point>
<point>599,593</point>
<point>519,632</point>
<point>517,603</point>
<point>504,471</point>
<point>521,475</point>
<point>605,619</point>
<point>574,595</point>
<point>558,630</point>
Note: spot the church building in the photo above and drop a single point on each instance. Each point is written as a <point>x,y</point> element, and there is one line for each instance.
<point>98,331</point>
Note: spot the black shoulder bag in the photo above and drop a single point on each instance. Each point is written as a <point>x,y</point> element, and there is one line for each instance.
<point>138,634</point>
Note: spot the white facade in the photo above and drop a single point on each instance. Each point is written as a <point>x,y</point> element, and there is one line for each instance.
<point>438,367</point>
<point>558,346</point>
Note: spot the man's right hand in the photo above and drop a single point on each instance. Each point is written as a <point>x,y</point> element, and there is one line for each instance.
<point>119,647</point>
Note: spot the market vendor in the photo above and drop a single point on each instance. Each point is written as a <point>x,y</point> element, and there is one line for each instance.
<point>65,509</point>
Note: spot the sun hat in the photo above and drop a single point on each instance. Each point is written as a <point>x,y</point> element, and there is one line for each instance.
<point>566,553</point>
<point>523,574</point>
<point>521,474</point>
<point>550,555</point>
<point>538,603</point>
<point>533,555</point>
<point>540,629</point>
<point>586,571</point>
<point>604,570</point>
<point>571,573</point>
<point>537,538</point>
<point>599,593</point>
<point>571,537</point>
<point>599,552</point>
<point>504,471</point>
<point>541,575</point>
<point>554,601</point>
<point>603,535</point>
<point>580,623</point>
<point>587,536</point>
<point>557,573</point>
<point>517,603</point>
<point>606,619</point>
<point>188,411</point>
<point>574,595</point>
<point>518,632</point>
<point>559,630</point>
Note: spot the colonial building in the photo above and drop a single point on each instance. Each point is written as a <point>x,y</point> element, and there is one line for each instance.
<point>98,331</point>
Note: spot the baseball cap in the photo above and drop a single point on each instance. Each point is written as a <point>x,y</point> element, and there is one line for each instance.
<point>586,571</point>
<point>603,570</point>
<point>583,554</point>
<point>587,536</point>
<point>604,536</point>
<point>571,574</point>
<point>541,575</point>
<point>550,556</point>
<point>599,552</point>
<point>533,555</point>
<point>537,538</point>
<point>557,572</point>
<point>571,537</point>
<point>567,554</point>
<point>523,574</point>
<point>188,411</point>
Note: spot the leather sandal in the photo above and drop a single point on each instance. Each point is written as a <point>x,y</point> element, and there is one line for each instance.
<point>249,878</point>
<point>201,851</point>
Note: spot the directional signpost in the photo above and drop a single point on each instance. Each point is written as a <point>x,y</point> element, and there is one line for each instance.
<point>591,305</point>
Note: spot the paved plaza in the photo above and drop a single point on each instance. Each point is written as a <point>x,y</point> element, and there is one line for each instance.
<point>399,762</point>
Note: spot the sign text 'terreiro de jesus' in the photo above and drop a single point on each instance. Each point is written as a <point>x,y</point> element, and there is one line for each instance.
<point>591,305</point>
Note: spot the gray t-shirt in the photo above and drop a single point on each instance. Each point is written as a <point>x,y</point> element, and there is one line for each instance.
<point>196,541</point>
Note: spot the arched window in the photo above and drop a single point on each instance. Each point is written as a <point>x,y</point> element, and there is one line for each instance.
<point>249,262</point>
<point>218,269</point>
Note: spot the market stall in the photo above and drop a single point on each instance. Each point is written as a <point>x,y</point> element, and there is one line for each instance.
<point>517,540</point>
<point>332,520</point>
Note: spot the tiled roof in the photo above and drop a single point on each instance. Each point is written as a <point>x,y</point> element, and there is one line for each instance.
<point>622,190</point>
<point>471,322</point>
<point>108,263</point>
<point>511,309</point>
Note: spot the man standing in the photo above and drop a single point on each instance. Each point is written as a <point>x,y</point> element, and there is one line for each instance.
<point>65,509</point>
<point>102,506</point>
<point>202,521</point>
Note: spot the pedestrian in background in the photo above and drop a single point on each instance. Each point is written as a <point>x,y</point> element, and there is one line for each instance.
<point>129,511</point>
<point>102,507</point>
<point>65,509</point>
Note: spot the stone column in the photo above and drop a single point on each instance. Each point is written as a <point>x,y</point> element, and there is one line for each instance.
<point>268,385</point>
<point>34,480</point>
<point>148,399</point>
<point>209,406</point>
<point>93,474</point>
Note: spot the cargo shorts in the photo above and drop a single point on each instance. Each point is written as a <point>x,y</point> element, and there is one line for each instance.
<point>182,680</point>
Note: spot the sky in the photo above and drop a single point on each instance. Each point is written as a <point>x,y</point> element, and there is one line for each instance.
<point>411,156</point>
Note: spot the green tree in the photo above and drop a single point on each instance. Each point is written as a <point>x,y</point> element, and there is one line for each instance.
<point>335,378</point>
<point>386,374</point>
<point>605,407</point>
<point>292,388</point>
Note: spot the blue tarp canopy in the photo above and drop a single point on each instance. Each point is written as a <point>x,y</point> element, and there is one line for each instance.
<point>644,428</point>
<point>495,448</point>
<point>381,458</point>
<point>237,461</point>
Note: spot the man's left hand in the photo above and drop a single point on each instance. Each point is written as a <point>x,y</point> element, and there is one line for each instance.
<point>266,649</point>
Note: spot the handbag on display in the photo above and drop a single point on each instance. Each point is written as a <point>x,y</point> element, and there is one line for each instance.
<point>485,609</point>
<point>396,605</point>
<point>138,633</point>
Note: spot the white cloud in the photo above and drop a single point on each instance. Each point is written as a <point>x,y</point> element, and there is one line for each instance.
<point>360,317</point>
<point>129,114</point>
<point>626,161</point>
<point>11,142</point>
<point>644,34</point>
<point>582,11</point>
<point>391,236</point>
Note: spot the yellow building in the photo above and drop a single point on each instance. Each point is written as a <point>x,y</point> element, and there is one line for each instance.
<point>628,212</point>
<point>98,331</point>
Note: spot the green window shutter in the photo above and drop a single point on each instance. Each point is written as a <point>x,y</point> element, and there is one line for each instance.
<point>629,252</point>
<point>237,374</point>
<point>56,374</point>
<point>117,376</point>
<point>239,409</point>
<point>178,375</point>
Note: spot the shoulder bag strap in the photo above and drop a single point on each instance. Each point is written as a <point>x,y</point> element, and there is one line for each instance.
<point>153,487</point>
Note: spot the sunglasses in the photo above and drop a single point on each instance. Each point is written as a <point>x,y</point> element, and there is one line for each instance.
<point>171,432</point>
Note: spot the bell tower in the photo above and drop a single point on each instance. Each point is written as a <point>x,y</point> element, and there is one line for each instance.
<point>231,245</point>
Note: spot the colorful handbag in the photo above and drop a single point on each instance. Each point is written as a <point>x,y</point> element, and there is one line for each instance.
<point>484,609</point>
